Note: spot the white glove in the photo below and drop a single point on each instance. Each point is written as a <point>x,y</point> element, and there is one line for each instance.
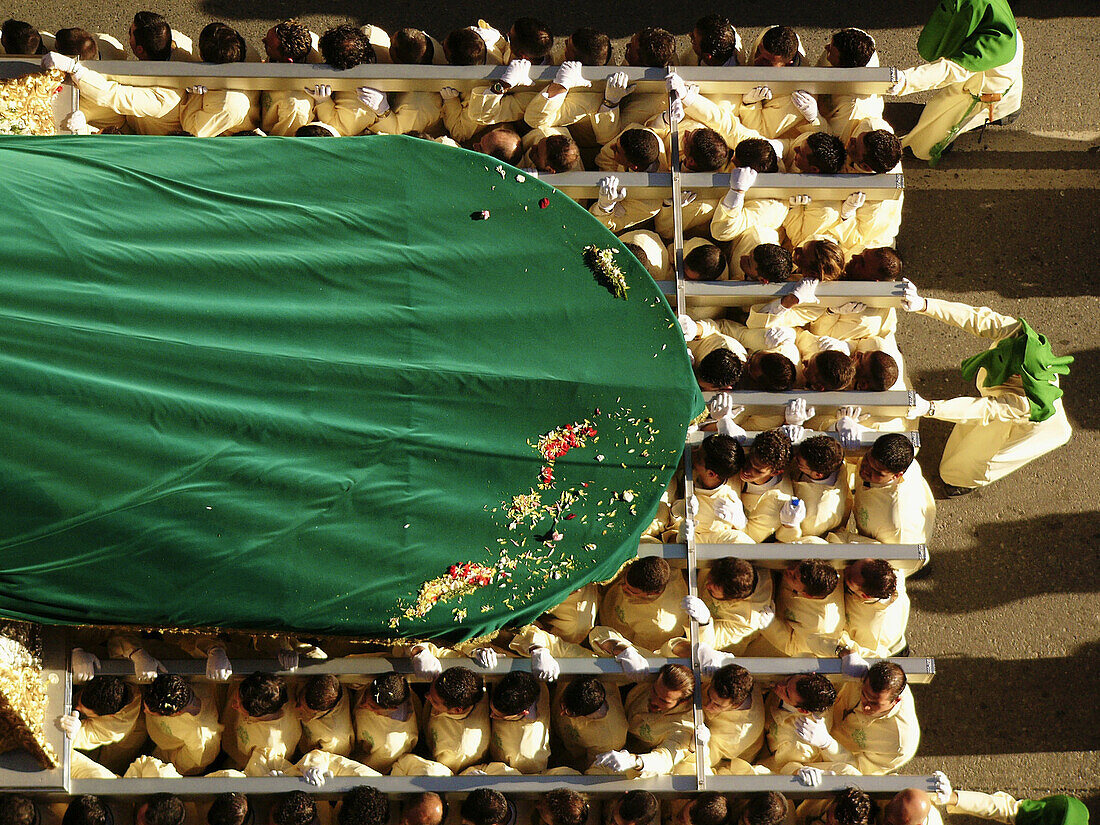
<point>853,665</point>
<point>798,411</point>
<point>695,608</point>
<point>810,777</point>
<point>814,732</point>
<point>674,83</point>
<point>218,666</point>
<point>617,761</point>
<point>687,197</point>
<point>688,326</point>
<point>677,107</point>
<point>742,178</point>
<point>721,405</point>
<point>728,426</point>
<point>710,659</point>
<point>544,666</point>
<point>373,99</point>
<point>76,123</point>
<point>319,92</point>
<point>805,291</point>
<point>849,429</point>
<point>315,776</point>
<point>692,507</point>
<point>762,618</point>
<point>795,432</point>
<point>632,662</point>
<point>85,664</point>
<point>517,73</point>
<point>702,735</point>
<point>64,63</point>
<point>288,660</point>
<point>449,93</point>
<point>732,513</point>
<point>197,89</point>
<point>69,723</point>
<point>911,301</point>
<point>921,407</point>
<point>799,200</point>
<point>610,193</point>
<point>849,308</point>
<point>146,667</point>
<point>851,203</point>
<point>899,84</point>
<point>778,337</point>
<point>485,657</point>
<point>756,94</point>
<point>827,343</point>
<point>276,772</point>
<point>791,514</point>
<point>941,788</point>
<point>806,104</point>
<point>616,88</point>
<point>689,530</point>
<point>570,76</point>
<point>426,663</point>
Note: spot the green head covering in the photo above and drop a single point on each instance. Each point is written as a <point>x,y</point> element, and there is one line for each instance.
<point>1028,355</point>
<point>976,34</point>
<point>1053,810</point>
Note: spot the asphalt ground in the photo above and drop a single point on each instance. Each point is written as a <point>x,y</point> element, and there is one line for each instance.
<point>1010,609</point>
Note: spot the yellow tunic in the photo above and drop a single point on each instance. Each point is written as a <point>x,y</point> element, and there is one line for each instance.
<point>335,763</point>
<point>412,765</point>
<point>285,111</point>
<point>787,752</point>
<point>657,261</point>
<point>383,738</point>
<point>413,112</point>
<point>149,110</point>
<point>189,741</point>
<point>330,731</point>
<point>848,326</point>
<point>737,734</point>
<point>246,737</point>
<point>579,111</point>
<point>998,806</point>
<point>828,505</point>
<point>81,767</point>
<point>150,767</point>
<point>647,624</point>
<point>876,629</point>
<point>804,626</point>
<point>606,160</point>
<point>220,112</point>
<point>901,512</point>
<point>872,746</point>
<point>664,739</point>
<point>459,741</point>
<point>763,503</point>
<point>729,223</point>
<point>585,738</point>
<point>457,120</point>
<point>114,740</point>
<point>721,116</point>
<point>524,744</point>
<point>732,622</point>
<point>346,114</point>
<point>745,243</point>
<point>626,213</point>
<point>709,529</point>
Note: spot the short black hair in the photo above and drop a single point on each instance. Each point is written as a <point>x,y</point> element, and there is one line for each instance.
<point>515,693</point>
<point>886,675</point>
<point>459,687</point>
<point>717,39</point>
<point>732,682</point>
<point>889,263</point>
<point>313,130</point>
<point>364,805</point>
<point>827,152</point>
<point>768,808</point>
<point>822,453</point>
<point>835,370</point>
<point>411,46</point>
<point>591,46</point>
<point>893,451</point>
<point>484,806</point>
<point>168,694</point>
<point>228,809</point>
<point>218,43</point>
<point>855,48</point>
<point>881,150</point>
<point>530,38</point>
<point>756,153</point>
<point>852,806</point>
<point>566,807</point>
<point>295,44</point>
<point>583,696</point>
<point>294,808</point>
<point>736,578</point>
<point>561,153</point>
<point>638,807</point>
<point>165,809</point>
<point>345,46</point>
<point>773,262</point>
<point>722,454</point>
<point>721,367</point>
<point>816,692</point>
<point>105,695</point>
<point>656,47</point>
<point>322,691</point>
<point>708,808</point>
<point>76,42</point>
<point>777,371</point>
<point>709,151</point>
<point>881,370</point>
<point>706,261</point>
<point>819,578</point>
<point>465,47</point>
<point>20,37</point>
<point>782,41</point>
<point>153,34</point>
<point>640,146</point>
<point>389,690</point>
<point>880,580</point>
<point>262,694</point>
<point>16,809</point>
<point>821,258</point>
<point>772,448</point>
<point>87,809</point>
<point>650,574</point>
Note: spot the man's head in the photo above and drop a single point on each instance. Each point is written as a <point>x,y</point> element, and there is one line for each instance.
<point>653,47</point>
<point>887,460</point>
<point>320,693</point>
<point>640,149</point>
<point>719,370</point>
<point>871,579</point>
<point>909,807</point>
<point>807,692</point>
<point>315,130</point>
<point>76,43</point>
<point>88,810</point>
<point>345,47</point>
<point>731,579</point>
<point>756,153</point>
<point>673,684</point>
<point>562,806</point>
<point>881,689</point>
<point>819,258</point>
<point>423,809</point>
<point>821,153</point>
<point>876,151</point>
<point>262,694</point>
<point>714,40</point>
<point>530,39</point>
<point>778,47</point>
<point>850,49</point>
<point>465,47</point>
<point>503,143</point>
<point>703,150</point>
<point>829,371</point>
<point>652,264</point>
<point>583,696</point>
<point>704,263</point>
<point>876,371</point>
<point>635,808</point>
<point>707,808</point>
<point>218,43</point>
<point>812,578</point>
<point>769,808</point>
<point>514,695</point>
<point>456,690</point>
<point>16,809</point>
<point>589,46</point>
<point>104,696</point>
<point>150,37</point>
<point>161,809</point>
<point>228,809</point>
<point>288,42</point>
<point>850,806</point>
<point>717,459</point>
<point>20,37</point>
<point>388,691</point>
<point>772,371</point>
<point>728,689</point>
<point>364,805</point>
<point>880,263</point>
<point>768,457</point>
<point>484,806</point>
<point>819,457</point>
<point>768,263</point>
<point>294,808</point>
<point>556,153</point>
<point>411,47</point>
<point>168,695</point>
<point>646,579</point>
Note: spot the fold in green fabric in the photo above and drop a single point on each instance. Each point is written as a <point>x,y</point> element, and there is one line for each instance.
<point>976,34</point>
<point>302,385</point>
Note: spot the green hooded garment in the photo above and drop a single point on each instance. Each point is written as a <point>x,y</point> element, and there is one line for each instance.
<point>370,387</point>
<point>1053,810</point>
<point>976,34</point>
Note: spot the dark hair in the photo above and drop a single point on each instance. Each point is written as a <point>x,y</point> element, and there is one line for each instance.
<point>20,37</point>
<point>561,153</point>
<point>893,451</point>
<point>881,150</point>
<point>650,574</point>
<point>16,809</point>
<point>768,808</point>
<point>364,805</point>
<point>709,152</point>
<point>165,809</point>
<point>822,454</point>
<point>835,370</point>
<point>412,47</point>
<point>637,252</point>
<point>722,455</point>
<point>777,371</point>
<point>640,146</point>
<point>852,806</point>
<point>756,153</point>
<point>389,690</point>
<point>821,258</point>
<point>516,692</point>
<point>827,152</point>
<point>465,47</point>
<point>312,130</point>
<point>886,675</point>
<point>76,43</point>
<point>321,692</point>
<point>855,48</point>
<point>816,692</point>
<point>168,694</point>
<point>732,682</point>
<point>228,809</point>
<point>638,807</point>
<point>773,262</point>
<point>772,449</point>
<point>566,807</point>
<point>509,151</point>
<point>459,687</point>
<point>717,40</point>
<point>706,261</point>
<point>218,43</point>
<point>591,46</point>
<point>87,810</point>
<point>294,808</point>
<point>656,47</point>
<point>262,694</point>
<point>708,808</point>
<point>583,696</point>
<point>735,577</point>
<point>530,38</point>
<point>345,47</point>
<point>295,44</point>
<point>889,267</point>
<point>782,41</point>
<point>105,695</point>
<point>881,371</point>
<point>153,34</point>
<point>818,577</point>
<point>880,580</point>
<point>485,806</point>
<point>676,677</point>
<point>721,367</point>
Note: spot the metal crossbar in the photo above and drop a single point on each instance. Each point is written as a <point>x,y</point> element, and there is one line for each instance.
<point>769,551</point>
<point>747,293</point>
<point>768,185</point>
<point>866,439</point>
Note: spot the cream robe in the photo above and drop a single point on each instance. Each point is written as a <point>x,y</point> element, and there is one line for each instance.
<point>530,636</point>
<point>487,108</point>
<point>413,112</point>
<point>788,753</point>
<point>285,111</point>
<point>999,806</point>
<point>574,618</point>
<point>646,624</point>
<point>412,765</point>
<point>877,322</point>
<point>735,622</point>
<point>763,503</point>
<point>745,243</point>
<point>777,117</point>
<point>330,731</point>
<point>721,116</point>
<point>828,506</point>
<point>384,738</point>
<point>730,222</point>
<point>459,741</point>
<point>876,629</point>
<point>457,120</point>
<point>345,113</point>
<point>626,213</point>
<point>585,738</point>
<point>669,735</point>
<point>901,512</point>
<point>737,734</point>
<point>220,112</point>
<point>843,110</point>
<point>709,529</point>
<point>872,746</point>
<point>245,737</point>
<point>804,626</point>
<point>524,744</point>
<point>114,740</point>
<point>189,742</point>
<point>579,111</point>
<point>149,110</point>
<point>657,261</point>
<point>607,162</point>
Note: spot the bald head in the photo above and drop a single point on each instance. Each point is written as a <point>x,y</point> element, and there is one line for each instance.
<point>423,809</point>
<point>502,143</point>
<point>910,807</point>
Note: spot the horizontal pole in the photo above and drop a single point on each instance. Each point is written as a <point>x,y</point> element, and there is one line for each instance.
<point>890,402</point>
<point>747,293</point>
<point>790,552</point>
<point>866,438</point>
<point>780,185</point>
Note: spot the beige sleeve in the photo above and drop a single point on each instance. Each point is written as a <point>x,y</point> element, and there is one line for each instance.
<point>804,223</point>
<point>998,806</point>
<point>134,101</point>
<point>626,213</point>
<point>934,75</point>
<point>286,112</point>
<point>214,113</point>
<point>487,108</point>
<point>980,321</point>
<point>728,223</point>
<point>1014,408</point>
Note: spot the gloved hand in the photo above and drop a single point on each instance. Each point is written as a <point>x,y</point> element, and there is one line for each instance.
<point>316,777</point>
<point>762,618</point>
<point>814,732</point>
<point>288,660</point>
<point>806,104</point>
<point>319,92</point>
<point>756,94</point>
<point>632,662</point>
<point>426,664</point>
<point>449,93</point>
<point>728,426</point>
<point>795,432</point>
<point>689,530</point>
<point>921,407</point>
<point>687,197</point>
<point>810,777</point>
<point>792,513</point>
<point>849,308</point>
<point>899,84</point>
<point>570,76</point>
<point>742,178</point>
<point>695,608</point>
<point>674,83</point>
<point>76,123</point>
<point>853,665</point>
<point>710,659</point>
<point>911,301</point>
<point>849,429</point>
<point>610,193</point>
<point>218,666</point>
<point>517,73</point>
<point>702,735</point>
<point>616,88</point>
<point>197,89</point>
<point>692,507</point>
<point>373,99</point>
<point>732,513</point>
<point>687,326</point>
<point>85,664</point>
<point>69,723</point>
<point>827,343</point>
<point>851,203</point>
<point>805,291</point>
<point>721,405</point>
<point>146,667</point>
<point>276,772</point>
<point>63,63</point>
<point>798,411</point>
<point>544,666</point>
<point>941,788</point>
<point>485,657</point>
<point>677,106</point>
<point>776,337</point>
<point>617,761</point>
<point>799,200</point>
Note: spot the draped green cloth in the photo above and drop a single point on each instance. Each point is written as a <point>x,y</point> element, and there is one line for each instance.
<point>287,384</point>
<point>1053,810</point>
<point>976,34</point>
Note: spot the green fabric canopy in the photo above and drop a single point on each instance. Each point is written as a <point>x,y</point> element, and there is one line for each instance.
<point>976,34</point>
<point>296,384</point>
